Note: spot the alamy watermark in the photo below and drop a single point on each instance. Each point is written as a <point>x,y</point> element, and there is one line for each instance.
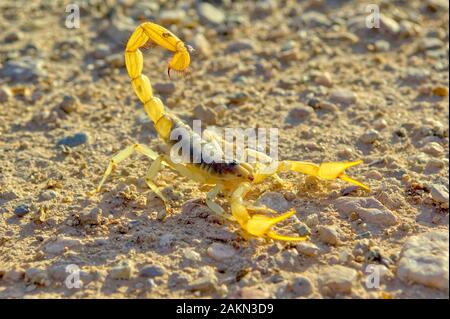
<point>73,17</point>
<point>73,280</point>
<point>373,19</point>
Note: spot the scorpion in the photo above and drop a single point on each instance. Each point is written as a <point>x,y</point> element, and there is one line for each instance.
<point>232,178</point>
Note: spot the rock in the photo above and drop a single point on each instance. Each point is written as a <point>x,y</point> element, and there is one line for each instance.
<point>74,140</point>
<point>238,98</point>
<point>252,293</point>
<point>433,149</point>
<point>60,245</point>
<point>307,248</point>
<point>439,193</point>
<point>337,280</point>
<point>92,217</point>
<point>123,270</point>
<point>275,201</point>
<point>342,96</point>
<point>70,104</point>
<point>324,79</point>
<point>239,46</point>
<point>300,113</point>
<point>166,240</point>
<point>102,51</point>
<point>21,210</point>
<point>424,260</point>
<point>430,44</point>
<point>152,271</point>
<point>369,209</point>
<point>58,272</point>
<point>205,114</point>
<point>382,46</point>
<point>210,14</point>
<point>37,277</point>
<point>416,75</point>
<point>370,136</point>
<point>13,36</point>
<point>177,280</point>
<point>221,252</point>
<point>300,286</point>
<point>389,25</point>
<point>5,94</point>
<point>47,195</point>
<point>25,69</point>
<point>302,229</point>
<point>171,16</point>
<point>166,88</point>
<point>202,45</point>
<point>329,235</point>
<point>192,255</point>
<point>15,274</point>
<point>204,284</point>
<point>312,220</point>
<point>263,9</point>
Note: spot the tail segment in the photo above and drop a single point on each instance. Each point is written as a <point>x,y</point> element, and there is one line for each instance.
<point>134,62</point>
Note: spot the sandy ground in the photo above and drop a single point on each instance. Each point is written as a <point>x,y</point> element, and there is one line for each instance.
<point>335,89</point>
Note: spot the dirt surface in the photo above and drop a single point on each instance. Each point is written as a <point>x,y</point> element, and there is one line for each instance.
<point>335,89</point>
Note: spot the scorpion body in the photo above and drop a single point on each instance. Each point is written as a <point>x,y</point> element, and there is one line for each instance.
<point>234,178</point>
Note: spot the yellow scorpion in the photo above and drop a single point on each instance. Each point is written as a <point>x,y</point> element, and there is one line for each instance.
<point>233,178</point>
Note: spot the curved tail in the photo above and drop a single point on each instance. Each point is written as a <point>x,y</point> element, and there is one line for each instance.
<point>144,34</point>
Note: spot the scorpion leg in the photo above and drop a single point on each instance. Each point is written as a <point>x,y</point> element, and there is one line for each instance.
<point>257,225</point>
<point>215,208</point>
<point>121,156</point>
<point>152,172</point>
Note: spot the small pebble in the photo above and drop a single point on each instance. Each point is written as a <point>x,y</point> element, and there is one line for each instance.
<point>433,149</point>
<point>21,210</point>
<point>152,271</point>
<point>202,45</point>
<point>166,17</point>
<point>300,113</point>
<point>122,271</point>
<point>439,193</point>
<point>336,279</point>
<point>204,284</point>
<point>166,88</point>
<point>74,140</point>
<point>370,136</point>
<point>209,13</point>
<point>239,46</point>
<point>192,255</point>
<point>300,286</point>
<point>344,97</point>
<point>221,252</point>
<point>70,104</point>
<point>5,94</point>
<point>92,217</point>
<point>275,201</point>
<point>302,229</point>
<point>329,235</point>
<point>167,240</point>
<point>307,249</point>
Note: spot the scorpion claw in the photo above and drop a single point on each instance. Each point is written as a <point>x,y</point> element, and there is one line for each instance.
<point>261,225</point>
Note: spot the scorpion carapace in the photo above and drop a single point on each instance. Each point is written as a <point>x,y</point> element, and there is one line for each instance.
<point>234,178</point>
